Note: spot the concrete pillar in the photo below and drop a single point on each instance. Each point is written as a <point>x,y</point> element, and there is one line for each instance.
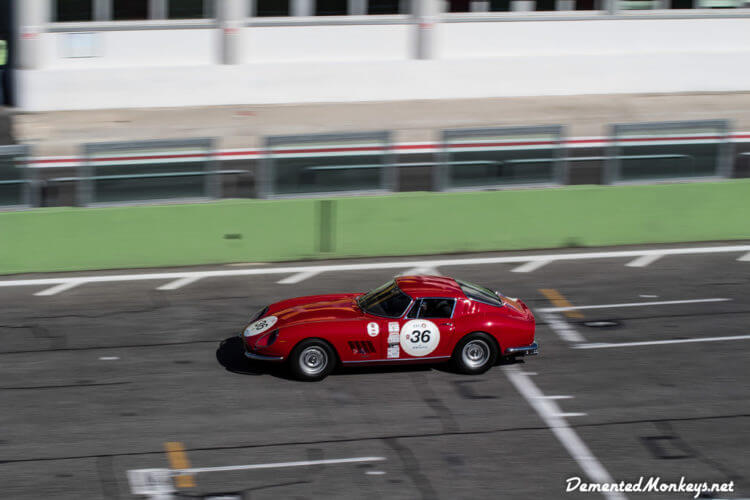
<point>426,14</point>
<point>102,10</point>
<point>302,7</point>
<point>357,7</point>
<point>157,9</point>
<point>479,6</point>
<point>32,17</point>
<point>230,16</point>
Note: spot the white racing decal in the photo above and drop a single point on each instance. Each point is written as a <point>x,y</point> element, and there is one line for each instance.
<point>260,326</point>
<point>373,329</point>
<point>394,350</point>
<point>393,327</point>
<point>419,337</point>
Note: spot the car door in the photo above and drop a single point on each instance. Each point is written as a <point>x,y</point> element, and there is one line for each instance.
<point>425,332</point>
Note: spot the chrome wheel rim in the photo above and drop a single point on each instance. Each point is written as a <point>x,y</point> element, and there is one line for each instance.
<point>313,360</point>
<point>475,353</point>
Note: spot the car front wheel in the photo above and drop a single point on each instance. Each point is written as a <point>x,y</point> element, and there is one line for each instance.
<point>475,354</point>
<point>312,360</point>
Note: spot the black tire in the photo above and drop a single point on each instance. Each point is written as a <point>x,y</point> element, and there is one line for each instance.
<point>475,353</point>
<point>312,360</point>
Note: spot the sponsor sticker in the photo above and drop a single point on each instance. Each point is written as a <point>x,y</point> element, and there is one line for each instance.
<point>419,337</point>
<point>393,327</point>
<point>373,329</point>
<point>394,349</point>
<point>260,326</point>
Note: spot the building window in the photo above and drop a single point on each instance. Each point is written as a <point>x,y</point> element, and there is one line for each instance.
<point>124,10</point>
<point>186,9</point>
<point>499,5</point>
<point>383,6</point>
<point>73,10</point>
<point>271,8</point>
<point>331,8</point>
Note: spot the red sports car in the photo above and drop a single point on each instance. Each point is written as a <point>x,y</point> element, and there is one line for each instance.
<point>411,319</point>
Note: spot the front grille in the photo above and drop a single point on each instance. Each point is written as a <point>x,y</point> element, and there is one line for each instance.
<point>361,347</point>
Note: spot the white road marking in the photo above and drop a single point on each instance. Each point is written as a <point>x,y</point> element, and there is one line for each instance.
<point>530,266</point>
<point>296,278</point>
<point>745,258</point>
<point>550,414</point>
<point>275,465</point>
<point>605,345</point>
<point>645,296</point>
<point>558,397</point>
<point>375,472</point>
<point>421,270</point>
<point>109,358</point>
<point>562,328</point>
<point>174,285</point>
<point>644,260</point>
<point>59,288</point>
<point>433,264</point>
<point>564,415</point>
<point>631,304</point>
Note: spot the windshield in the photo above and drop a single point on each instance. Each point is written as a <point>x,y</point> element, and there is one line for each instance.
<point>480,293</point>
<point>387,300</point>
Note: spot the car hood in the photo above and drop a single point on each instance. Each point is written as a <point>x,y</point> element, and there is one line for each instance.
<point>335,307</point>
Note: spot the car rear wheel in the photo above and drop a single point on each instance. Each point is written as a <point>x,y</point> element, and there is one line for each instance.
<point>475,354</point>
<point>312,360</point>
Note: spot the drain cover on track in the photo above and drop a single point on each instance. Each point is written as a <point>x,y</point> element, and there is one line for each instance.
<point>603,323</point>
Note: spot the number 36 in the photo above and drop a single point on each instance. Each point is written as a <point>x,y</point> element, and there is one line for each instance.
<point>416,336</point>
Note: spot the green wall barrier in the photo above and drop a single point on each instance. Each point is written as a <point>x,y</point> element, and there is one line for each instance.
<point>61,239</point>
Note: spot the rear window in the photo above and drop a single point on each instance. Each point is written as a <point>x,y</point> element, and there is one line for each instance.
<point>387,300</point>
<point>479,293</point>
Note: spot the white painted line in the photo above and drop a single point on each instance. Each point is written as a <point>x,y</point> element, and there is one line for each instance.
<point>565,415</point>
<point>58,288</point>
<point>179,472</point>
<point>109,358</point>
<point>433,264</point>
<point>530,266</point>
<point>421,270</point>
<point>562,328</point>
<point>644,296</point>
<point>632,304</point>
<point>375,472</point>
<point>174,285</point>
<point>558,397</point>
<point>644,260</point>
<point>296,278</point>
<point>605,345</point>
<point>745,258</point>
<point>550,413</point>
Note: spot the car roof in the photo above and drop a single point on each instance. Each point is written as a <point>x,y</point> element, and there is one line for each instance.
<point>429,286</point>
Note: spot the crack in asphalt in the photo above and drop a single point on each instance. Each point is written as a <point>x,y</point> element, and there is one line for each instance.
<point>379,438</point>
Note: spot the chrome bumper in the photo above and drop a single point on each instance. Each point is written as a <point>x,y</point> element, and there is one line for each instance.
<point>529,350</point>
<point>260,357</point>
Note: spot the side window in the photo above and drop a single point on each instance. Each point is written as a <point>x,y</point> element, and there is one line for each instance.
<point>436,308</point>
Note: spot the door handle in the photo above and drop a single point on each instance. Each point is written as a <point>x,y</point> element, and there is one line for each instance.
<point>447,324</point>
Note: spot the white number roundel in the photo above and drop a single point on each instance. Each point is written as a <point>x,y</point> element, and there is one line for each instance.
<point>260,326</point>
<point>419,337</point>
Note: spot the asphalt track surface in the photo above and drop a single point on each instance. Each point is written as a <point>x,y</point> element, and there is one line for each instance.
<point>95,380</point>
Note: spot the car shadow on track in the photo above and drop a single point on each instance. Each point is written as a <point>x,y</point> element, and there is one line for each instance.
<point>230,356</point>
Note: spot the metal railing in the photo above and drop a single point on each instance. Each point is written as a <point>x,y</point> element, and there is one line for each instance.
<point>328,165</point>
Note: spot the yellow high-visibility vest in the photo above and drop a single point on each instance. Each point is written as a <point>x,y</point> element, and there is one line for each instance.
<point>3,52</point>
